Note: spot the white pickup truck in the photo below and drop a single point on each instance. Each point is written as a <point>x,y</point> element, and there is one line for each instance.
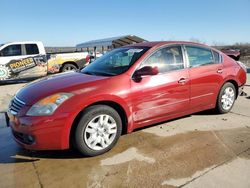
<point>20,60</point>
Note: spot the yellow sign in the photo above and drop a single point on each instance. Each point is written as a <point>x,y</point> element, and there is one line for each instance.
<point>22,63</point>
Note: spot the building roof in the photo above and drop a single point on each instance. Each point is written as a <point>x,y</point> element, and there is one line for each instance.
<point>114,42</point>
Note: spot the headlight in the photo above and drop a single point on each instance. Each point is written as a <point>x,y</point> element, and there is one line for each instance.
<point>48,105</point>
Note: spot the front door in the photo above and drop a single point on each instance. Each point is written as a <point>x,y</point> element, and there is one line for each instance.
<point>159,96</point>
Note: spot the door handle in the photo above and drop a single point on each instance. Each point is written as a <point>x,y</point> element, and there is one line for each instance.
<point>220,71</point>
<point>182,81</point>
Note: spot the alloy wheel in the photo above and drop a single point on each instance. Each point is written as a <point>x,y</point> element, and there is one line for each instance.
<point>100,132</point>
<point>227,99</point>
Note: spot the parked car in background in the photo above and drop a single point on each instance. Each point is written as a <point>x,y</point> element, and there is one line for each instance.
<point>126,89</point>
<point>28,59</point>
<point>70,61</point>
<point>22,60</point>
<point>235,54</point>
<point>92,57</point>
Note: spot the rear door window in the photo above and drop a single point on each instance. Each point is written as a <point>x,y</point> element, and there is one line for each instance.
<point>31,49</point>
<point>12,50</point>
<point>199,56</point>
<point>217,57</point>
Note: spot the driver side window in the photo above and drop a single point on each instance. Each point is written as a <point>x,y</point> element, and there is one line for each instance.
<point>166,59</point>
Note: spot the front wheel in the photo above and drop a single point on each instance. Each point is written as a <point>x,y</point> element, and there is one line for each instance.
<point>98,130</point>
<point>226,98</point>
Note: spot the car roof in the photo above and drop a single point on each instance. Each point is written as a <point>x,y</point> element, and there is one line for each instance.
<point>22,42</point>
<point>160,43</point>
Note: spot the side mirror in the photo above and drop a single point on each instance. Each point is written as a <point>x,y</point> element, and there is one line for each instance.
<point>145,71</point>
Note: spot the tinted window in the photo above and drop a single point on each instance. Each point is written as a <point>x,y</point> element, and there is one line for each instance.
<point>115,62</point>
<point>12,50</point>
<point>31,49</point>
<point>166,59</point>
<point>199,56</point>
<point>216,57</point>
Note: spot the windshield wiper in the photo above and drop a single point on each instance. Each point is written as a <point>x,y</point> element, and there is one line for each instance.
<point>88,72</point>
<point>99,73</point>
<point>105,74</point>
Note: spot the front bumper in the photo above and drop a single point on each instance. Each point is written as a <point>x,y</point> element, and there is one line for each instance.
<point>39,133</point>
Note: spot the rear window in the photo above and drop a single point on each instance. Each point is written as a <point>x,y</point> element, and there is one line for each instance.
<point>31,49</point>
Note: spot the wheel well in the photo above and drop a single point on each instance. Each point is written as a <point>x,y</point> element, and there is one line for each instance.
<point>68,62</point>
<point>235,85</point>
<point>111,104</point>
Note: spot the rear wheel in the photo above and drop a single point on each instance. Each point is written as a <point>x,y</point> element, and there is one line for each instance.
<point>98,130</point>
<point>68,67</point>
<point>226,98</point>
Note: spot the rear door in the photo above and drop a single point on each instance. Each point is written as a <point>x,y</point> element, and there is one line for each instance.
<point>206,75</point>
<point>159,96</point>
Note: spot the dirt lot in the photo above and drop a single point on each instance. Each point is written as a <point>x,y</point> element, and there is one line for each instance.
<point>200,150</point>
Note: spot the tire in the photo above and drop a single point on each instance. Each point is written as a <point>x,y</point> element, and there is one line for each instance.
<point>68,67</point>
<point>92,135</point>
<point>226,98</point>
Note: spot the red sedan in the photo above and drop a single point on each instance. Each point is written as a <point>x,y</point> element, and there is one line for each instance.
<point>127,88</point>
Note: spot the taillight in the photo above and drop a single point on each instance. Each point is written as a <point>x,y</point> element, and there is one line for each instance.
<point>88,59</point>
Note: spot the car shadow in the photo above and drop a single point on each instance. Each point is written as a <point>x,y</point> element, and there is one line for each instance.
<point>18,81</point>
<point>11,152</point>
<point>17,154</point>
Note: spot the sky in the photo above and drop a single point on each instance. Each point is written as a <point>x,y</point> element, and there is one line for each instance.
<point>70,22</point>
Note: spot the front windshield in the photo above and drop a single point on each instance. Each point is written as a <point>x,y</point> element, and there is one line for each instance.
<point>115,62</point>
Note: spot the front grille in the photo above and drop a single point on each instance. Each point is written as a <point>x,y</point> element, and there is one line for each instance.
<point>16,105</point>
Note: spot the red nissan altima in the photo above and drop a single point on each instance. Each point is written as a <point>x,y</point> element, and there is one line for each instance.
<point>128,88</point>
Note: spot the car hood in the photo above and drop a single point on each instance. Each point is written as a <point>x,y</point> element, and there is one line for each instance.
<point>65,82</point>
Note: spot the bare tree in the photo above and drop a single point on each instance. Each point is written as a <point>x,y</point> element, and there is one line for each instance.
<point>193,39</point>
